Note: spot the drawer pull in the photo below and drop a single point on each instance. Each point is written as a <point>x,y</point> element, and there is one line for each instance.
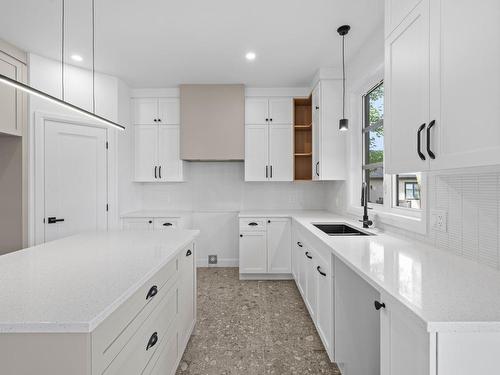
<point>379,305</point>
<point>307,255</point>
<point>152,341</point>
<point>253,223</point>
<point>167,224</point>
<point>152,292</point>
<point>299,244</point>
<point>188,253</point>
<point>320,272</point>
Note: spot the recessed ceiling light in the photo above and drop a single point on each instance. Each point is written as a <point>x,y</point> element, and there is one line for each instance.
<point>77,58</point>
<point>251,56</point>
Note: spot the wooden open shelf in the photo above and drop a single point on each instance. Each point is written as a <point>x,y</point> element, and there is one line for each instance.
<point>302,138</point>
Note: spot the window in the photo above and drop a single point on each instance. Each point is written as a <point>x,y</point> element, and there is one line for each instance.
<point>373,138</point>
<point>407,190</point>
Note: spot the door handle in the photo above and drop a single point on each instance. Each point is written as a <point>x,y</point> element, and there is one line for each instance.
<point>419,149</point>
<point>253,223</point>
<point>271,171</point>
<point>267,171</point>
<point>159,172</point>
<point>152,340</point>
<point>299,244</point>
<point>429,151</point>
<point>316,168</point>
<point>379,305</point>
<point>153,291</point>
<point>307,255</point>
<point>167,224</point>
<point>155,171</point>
<point>53,220</point>
<point>188,253</point>
<point>320,272</point>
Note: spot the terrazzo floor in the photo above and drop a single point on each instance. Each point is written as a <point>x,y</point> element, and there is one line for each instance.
<point>252,327</point>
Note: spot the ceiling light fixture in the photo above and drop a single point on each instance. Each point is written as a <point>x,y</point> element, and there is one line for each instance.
<point>30,90</point>
<point>77,58</point>
<point>250,56</point>
<point>343,122</point>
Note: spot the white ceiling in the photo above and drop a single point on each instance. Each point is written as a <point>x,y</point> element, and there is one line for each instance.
<point>162,43</point>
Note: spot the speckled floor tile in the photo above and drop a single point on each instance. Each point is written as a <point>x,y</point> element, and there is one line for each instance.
<point>252,327</point>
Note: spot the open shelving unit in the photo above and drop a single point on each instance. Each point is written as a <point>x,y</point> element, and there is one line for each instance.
<point>302,126</point>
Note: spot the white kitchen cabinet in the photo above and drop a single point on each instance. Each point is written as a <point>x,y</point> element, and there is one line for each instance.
<point>279,245</point>
<point>310,276</point>
<point>257,111</point>
<point>169,111</point>
<point>301,267</point>
<point>187,295</point>
<point>280,153</point>
<point>146,152</point>
<point>265,247</point>
<point>325,296</point>
<point>170,166</point>
<point>256,153</point>
<point>137,223</point>
<point>280,111</point>
<point>149,111</point>
<point>12,101</point>
<point>329,143</point>
<point>272,110</point>
<point>451,92</point>
<point>134,222</point>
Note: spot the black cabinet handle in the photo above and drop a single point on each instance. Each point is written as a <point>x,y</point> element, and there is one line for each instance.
<point>299,243</point>
<point>270,171</point>
<point>241,235</point>
<point>253,223</point>
<point>267,119</point>
<point>153,291</point>
<point>159,120</point>
<point>317,107</point>
<point>271,119</point>
<point>150,221</point>
<point>159,171</point>
<point>419,146</point>
<point>155,120</point>
<point>156,176</point>
<point>188,253</point>
<point>267,171</point>
<point>429,151</point>
<point>152,341</point>
<point>167,224</point>
<point>269,221</point>
<point>53,220</point>
<point>316,168</point>
<point>307,255</point>
<point>379,305</point>
<point>319,270</point>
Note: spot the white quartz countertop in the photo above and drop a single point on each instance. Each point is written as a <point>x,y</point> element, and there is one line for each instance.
<point>444,291</point>
<point>73,284</point>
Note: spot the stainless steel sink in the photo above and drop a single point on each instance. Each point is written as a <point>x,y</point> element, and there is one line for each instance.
<point>336,229</point>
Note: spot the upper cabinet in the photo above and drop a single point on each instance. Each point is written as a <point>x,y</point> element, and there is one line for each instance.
<point>396,11</point>
<point>157,138</point>
<point>441,96</point>
<point>268,139</point>
<point>328,142</point>
<point>12,101</point>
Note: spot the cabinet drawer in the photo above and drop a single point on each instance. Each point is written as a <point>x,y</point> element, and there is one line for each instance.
<point>162,223</point>
<point>165,359</point>
<point>253,224</point>
<point>136,355</point>
<point>111,335</point>
<point>137,223</point>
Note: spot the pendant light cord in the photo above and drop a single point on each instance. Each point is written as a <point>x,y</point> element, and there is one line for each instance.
<point>93,56</point>
<point>343,78</point>
<point>62,51</point>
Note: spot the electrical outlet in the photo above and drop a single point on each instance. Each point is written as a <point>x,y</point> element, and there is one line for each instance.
<point>439,220</point>
<point>212,259</point>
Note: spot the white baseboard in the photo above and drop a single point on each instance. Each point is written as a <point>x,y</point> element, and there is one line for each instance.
<point>266,276</point>
<point>222,262</point>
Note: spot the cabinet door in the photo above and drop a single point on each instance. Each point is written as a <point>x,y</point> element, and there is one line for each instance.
<point>324,311</point>
<point>279,245</point>
<point>145,111</point>
<point>11,100</point>
<point>187,295</point>
<point>146,152</point>
<point>256,152</point>
<point>316,132</point>
<point>169,111</point>
<point>253,250</point>
<point>170,166</point>
<point>310,275</point>
<point>139,223</point>
<point>465,78</point>
<point>296,253</point>
<point>281,111</point>
<point>404,343</point>
<point>256,111</point>
<point>280,152</point>
<point>407,92</point>
<point>302,263</point>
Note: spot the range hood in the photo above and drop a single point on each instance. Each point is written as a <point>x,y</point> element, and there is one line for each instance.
<point>212,122</point>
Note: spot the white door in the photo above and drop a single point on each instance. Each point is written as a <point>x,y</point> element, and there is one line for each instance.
<point>253,249</point>
<point>187,293</point>
<point>281,111</point>
<point>139,223</point>
<point>256,152</point>
<point>145,111</point>
<point>316,133</point>
<point>407,93</point>
<point>465,80</point>
<point>280,152</point>
<point>75,179</point>
<point>146,152</point>
<point>256,111</point>
<point>279,246</point>
<point>324,311</point>
<point>169,162</point>
<point>169,111</point>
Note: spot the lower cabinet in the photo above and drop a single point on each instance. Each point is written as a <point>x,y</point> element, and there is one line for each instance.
<point>187,295</point>
<point>265,246</point>
<point>153,223</point>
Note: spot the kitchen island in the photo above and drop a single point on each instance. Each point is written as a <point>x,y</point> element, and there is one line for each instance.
<point>98,303</point>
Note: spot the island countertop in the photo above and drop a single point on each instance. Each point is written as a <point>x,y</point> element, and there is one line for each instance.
<point>73,284</point>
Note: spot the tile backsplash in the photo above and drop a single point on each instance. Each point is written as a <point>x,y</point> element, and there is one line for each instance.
<point>472,204</point>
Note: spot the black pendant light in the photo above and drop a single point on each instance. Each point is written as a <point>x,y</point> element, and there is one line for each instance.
<point>343,122</point>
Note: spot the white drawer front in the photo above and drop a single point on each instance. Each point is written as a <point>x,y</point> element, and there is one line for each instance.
<point>163,223</point>
<point>252,224</point>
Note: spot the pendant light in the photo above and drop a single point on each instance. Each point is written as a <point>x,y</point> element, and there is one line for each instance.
<point>343,122</point>
<point>30,90</point>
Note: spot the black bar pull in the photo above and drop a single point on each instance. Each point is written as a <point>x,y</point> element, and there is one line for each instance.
<point>188,253</point>
<point>316,168</point>
<point>429,151</point>
<point>153,291</point>
<point>271,171</point>
<point>167,224</point>
<point>419,146</point>
<point>307,255</point>
<point>379,305</point>
<point>253,223</point>
<point>152,341</point>
<point>320,272</point>
<point>267,171</point>
<point>159,172</point>
<point>53,220</point>
<point>155,171</point>
<point>299,243</point>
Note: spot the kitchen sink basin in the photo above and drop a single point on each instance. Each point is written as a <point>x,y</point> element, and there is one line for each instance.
<point>340,230</point>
